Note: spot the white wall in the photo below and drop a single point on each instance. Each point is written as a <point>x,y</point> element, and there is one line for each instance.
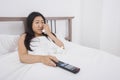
<point>100,25</point>
<point>110,34</point>
<point>46,7</point>
<point>91,15</point>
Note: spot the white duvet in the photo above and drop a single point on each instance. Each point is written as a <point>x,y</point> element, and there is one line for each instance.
<point>94,64</point>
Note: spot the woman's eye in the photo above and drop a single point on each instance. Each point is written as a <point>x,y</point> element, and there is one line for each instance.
<point>42,22</point>
<point>37,22</point>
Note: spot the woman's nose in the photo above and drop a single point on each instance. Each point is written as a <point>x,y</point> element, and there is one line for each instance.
<point>40,25</point>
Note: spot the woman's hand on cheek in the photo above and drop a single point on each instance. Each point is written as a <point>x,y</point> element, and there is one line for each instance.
<point>47,29</point>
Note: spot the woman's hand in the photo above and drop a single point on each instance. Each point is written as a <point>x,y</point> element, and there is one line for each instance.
<point>55,39</point>
<point>47,60</point>
<point>47,29</point>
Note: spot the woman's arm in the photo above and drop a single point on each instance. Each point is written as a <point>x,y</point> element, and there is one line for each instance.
<point>28,58</point>
<point>51,36</point>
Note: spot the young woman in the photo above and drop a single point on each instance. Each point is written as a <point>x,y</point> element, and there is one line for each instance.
<point>34,28</point>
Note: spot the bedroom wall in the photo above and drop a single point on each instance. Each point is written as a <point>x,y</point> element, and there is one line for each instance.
<point>100,25</point>
<point>46,7</point>
<point>91,15</point>
<point>110,30</point>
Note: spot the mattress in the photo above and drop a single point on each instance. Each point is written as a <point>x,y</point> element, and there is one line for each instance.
<point>94,65</point>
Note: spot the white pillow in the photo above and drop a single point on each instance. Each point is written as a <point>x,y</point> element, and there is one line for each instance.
<point>8,43</point>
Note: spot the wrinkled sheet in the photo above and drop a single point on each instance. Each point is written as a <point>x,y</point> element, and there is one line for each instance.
<point>94,65</point>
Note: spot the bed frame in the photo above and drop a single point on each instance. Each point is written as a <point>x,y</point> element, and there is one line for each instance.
<point>52,21</point>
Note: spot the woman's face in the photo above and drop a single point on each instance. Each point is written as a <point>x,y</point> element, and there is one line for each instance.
<point>37,25</point>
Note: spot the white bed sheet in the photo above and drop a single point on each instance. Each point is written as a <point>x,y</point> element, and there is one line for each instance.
<point>94,65</point>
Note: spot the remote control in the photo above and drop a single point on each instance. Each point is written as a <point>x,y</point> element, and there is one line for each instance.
<point>67,67</point>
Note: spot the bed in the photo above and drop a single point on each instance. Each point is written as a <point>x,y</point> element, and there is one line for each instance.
<point>94,64</point>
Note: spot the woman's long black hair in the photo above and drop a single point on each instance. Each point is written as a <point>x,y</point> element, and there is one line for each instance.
<point>28,29</point>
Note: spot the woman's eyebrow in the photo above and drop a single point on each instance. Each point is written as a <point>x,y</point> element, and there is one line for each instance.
<point>39,20</point>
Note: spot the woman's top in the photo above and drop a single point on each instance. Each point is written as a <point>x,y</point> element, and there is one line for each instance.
<point>43,45</point>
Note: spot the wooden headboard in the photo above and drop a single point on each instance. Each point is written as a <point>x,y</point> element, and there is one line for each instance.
<point>52,21</point>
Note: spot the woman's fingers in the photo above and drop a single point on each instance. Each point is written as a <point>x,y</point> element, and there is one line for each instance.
<point>50,60</point>
<point>47,29</point>
<point>52,63</point>
<point>54,58</point>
